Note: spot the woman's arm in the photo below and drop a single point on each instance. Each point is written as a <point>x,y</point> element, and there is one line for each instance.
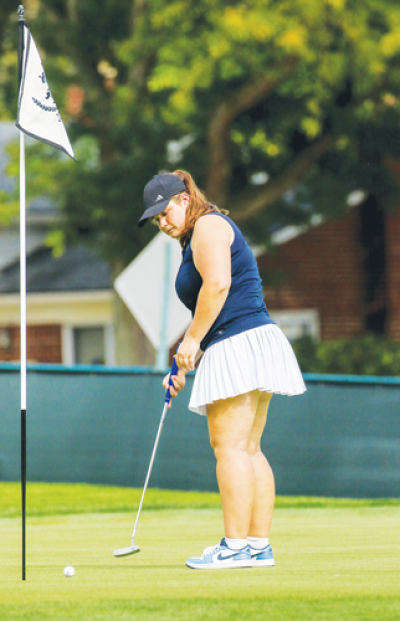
<point>211,247</point>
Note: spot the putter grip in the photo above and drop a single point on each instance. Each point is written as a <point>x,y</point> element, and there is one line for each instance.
<point>174,370</point>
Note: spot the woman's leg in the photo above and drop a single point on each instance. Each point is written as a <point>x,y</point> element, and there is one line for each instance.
<point>230,423</point>
<point>264,495</point>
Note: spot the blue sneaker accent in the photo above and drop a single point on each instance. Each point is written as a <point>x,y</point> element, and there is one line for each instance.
<point>221,557</point>
<point>262,558</point>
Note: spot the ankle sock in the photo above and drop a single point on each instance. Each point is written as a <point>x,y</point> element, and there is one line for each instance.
<point>236,544</point>
<point>257,543</point>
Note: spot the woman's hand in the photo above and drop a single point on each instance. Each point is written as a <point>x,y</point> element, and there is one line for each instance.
<point>186,354</point>
<point>178,381</point>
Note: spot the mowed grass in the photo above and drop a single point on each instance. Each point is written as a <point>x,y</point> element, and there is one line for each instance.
<point>335,559</point>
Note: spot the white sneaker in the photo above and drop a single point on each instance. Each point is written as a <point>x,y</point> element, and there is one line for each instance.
<point>221,557</point>
<point>262,558</point>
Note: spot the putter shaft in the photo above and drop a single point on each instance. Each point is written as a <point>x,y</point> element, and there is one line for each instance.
<point>133,549</point>
<point>150,469</point>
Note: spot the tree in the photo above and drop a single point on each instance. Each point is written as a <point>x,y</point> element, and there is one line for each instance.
<point>8,60</point>
<point>279,109</point>
<point>8,92</point>
<point>303,91</point>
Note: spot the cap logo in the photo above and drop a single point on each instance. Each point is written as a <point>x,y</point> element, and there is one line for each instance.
<point>159,197</point>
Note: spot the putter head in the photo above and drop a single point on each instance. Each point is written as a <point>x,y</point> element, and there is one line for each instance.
<point>126,551</point>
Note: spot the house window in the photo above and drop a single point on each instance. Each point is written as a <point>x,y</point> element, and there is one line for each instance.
<point>88,345</point>
<point>298,323</point>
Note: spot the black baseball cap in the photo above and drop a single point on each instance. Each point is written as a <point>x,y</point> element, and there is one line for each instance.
<point>157,194</point>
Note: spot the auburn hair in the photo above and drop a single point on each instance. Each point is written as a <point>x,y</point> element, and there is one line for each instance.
<point>198,205</point>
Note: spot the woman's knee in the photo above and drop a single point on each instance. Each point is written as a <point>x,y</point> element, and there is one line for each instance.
<point>221,443</point>
<point>253,447</point>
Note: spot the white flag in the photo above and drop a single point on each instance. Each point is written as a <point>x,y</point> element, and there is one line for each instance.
<point>38,115</point>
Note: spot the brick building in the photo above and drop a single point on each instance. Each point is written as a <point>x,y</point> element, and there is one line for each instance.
<point>338,279</point>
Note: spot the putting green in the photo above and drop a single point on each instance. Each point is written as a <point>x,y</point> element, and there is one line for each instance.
<point>335,560</point>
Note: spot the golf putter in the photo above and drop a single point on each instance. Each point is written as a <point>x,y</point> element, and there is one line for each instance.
<point>134,549</point>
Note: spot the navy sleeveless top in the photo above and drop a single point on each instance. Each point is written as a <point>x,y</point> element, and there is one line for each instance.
<point>244,307</point>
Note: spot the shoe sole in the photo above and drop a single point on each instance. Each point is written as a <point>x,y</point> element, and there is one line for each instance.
<point>265,563</point>
<point>234,565</point>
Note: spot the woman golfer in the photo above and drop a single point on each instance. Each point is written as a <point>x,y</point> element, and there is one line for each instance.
<point>245,358</point>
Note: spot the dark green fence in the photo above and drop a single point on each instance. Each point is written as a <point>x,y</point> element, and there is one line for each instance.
<point>98,425</point>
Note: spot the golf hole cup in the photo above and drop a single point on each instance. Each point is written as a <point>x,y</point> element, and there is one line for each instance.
<point>69,571</point>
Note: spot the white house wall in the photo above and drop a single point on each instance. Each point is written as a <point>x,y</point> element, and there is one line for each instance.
<point>89,308</point>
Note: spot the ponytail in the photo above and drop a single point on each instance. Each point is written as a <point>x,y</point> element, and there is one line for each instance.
<point>198,206</point>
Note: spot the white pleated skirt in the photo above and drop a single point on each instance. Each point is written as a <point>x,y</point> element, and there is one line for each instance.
<point>258,359</point>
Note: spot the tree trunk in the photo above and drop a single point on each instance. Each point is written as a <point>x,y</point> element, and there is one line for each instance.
<point>218,133</point>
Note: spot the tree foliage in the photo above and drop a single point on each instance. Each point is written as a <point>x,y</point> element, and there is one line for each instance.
<point>279,109</point>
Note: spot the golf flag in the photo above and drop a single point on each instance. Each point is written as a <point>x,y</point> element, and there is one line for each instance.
<point>38,115</point>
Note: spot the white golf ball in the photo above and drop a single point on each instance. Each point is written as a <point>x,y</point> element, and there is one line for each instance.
<point>69,571</point>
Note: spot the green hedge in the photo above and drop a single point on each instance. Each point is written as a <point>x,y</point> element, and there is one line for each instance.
<point>366,355</point>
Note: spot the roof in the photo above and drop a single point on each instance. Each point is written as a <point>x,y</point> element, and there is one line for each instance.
<point>78,269</point>
<point>10,243</point>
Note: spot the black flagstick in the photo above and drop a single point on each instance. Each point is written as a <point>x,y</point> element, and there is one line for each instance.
<point>21,23</point>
